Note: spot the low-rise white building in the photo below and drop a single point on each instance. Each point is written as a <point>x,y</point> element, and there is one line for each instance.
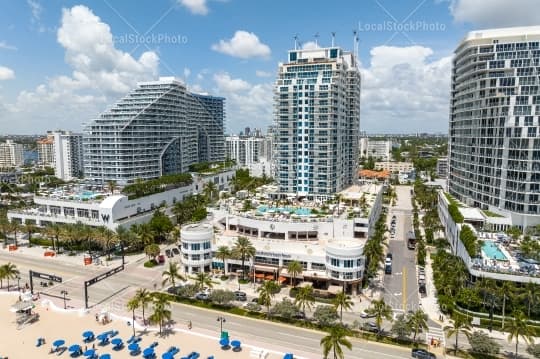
<point>196,247</point>
<point>394,166</point>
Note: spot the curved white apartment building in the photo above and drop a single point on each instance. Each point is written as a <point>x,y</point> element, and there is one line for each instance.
<point>196,247</point>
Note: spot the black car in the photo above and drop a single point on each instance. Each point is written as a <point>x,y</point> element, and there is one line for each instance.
<point>168,253</point>
<point>240,296</point>
<point>176,251</point>
<point>422,354</point>
<point>389,255</point>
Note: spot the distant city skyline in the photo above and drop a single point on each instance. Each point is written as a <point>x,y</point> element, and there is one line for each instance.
<point>55,73</point>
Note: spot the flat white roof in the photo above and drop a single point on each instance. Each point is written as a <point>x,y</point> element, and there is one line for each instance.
<point>472,214</point>
<point>502,32</point>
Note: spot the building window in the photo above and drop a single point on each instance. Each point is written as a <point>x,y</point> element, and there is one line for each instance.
<point>207,245</point>
<point>335,274</point>
<point>348,263</point>
<point>195,257</point>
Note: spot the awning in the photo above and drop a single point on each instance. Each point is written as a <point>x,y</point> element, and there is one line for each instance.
<point>259,275</point>
<point>21,306</point>
<point>281,279</point>
<point>334,289</point>
<point>265,268</point>
<point>269,277</point>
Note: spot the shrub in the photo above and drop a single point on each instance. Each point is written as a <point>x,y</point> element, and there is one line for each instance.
<point>534,350</point>
<point>482,343</point>
<point>187,291</point>
<point>222,296</point>
<point>325,315</point>
<point>253,307</point>
<point>150,263</point>
<point>286,309</point>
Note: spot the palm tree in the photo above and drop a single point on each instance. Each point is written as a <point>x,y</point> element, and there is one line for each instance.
<point>460,324</point>
<point>305,298</point>
<point>531,293</point>
<point>15,227</point>
<point>143,298</point>
<point>111,185</point>
<point>333,342</point>
<point>209,189</point>
<point>172,274</point>
<point>29,229</point>
<point>267,291</point>
<point>161,311</point>
<point>54,231</point>
<point>381,310</point>
<point>294,268</point>
<point>144,234</point>
<point>245,250</point>
<point>202,280</point>
<point>508,291</point>
<point>133,304</point>
<point>223,253</point>
<point>517,328</point>
<point>4,228</point>
<point>418,321</point>
<point>10,271</point>
<point>342,301</point>
<point>2,276</point>
<point>107,238</point>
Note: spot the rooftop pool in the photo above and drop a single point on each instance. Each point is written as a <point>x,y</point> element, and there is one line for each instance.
<point>301,211</point>
<point>492,251</point>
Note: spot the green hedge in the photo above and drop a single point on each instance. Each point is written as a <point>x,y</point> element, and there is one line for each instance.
<point>469,240</point>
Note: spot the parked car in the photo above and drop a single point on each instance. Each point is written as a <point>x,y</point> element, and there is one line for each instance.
<point>176,251</point>
<point>168,253</point>
<point>299,315</point>
<point>389,255</point>
<point>201,296</point>
<point>422,354</point>
<point>240,296</point>
<point>371,327</point>
<point>161,259</point>
<point>364,314</point>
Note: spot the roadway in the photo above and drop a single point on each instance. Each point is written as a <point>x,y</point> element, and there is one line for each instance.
<point>115,291</point>
<point>401,287</point>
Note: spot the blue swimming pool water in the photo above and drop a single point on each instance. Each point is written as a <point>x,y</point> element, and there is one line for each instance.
<point>86,195</point>
<point>492,250</point>
<point>301,211</point>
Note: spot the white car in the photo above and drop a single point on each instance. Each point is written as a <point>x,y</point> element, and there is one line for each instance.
<point>364,314</point>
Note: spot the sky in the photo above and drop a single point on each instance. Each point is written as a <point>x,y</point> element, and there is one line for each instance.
<point>64,62</point>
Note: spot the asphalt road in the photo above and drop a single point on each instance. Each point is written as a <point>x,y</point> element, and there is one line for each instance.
<point>401,287</point>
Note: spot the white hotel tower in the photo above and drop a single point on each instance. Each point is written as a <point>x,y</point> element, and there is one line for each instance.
<point>317,122</point>
<point>159,128</point>
<point>494,148</point>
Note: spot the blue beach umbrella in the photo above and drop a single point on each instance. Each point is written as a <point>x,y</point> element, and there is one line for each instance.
<point>105,356</point>
<point>133,347</point>
<point>74,348</point>
<point>224,342</point>
<point>88,334</point>
<point>148,352</point>
<point>167,355</point>
<point>116,341</point>
<point>89,353</point>
<point>235,343</point>
<point>59,342</point>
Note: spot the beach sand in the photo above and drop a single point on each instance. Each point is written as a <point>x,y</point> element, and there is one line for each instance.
<point>55,323</point>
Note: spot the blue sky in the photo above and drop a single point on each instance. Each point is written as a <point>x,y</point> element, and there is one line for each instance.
<point>63,62</point>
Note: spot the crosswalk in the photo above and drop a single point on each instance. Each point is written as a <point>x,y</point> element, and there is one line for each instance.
<point>435,333</point>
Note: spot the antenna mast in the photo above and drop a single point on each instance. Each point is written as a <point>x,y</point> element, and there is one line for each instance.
<point>316,39</point>
<point>295,37</point>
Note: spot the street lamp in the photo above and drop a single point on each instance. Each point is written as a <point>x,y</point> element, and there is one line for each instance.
<point>64,293</point>
<point>18,283</point>
<point>221,320</point>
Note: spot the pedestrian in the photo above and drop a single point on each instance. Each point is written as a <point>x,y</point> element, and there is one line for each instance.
<point>189,325</point>
<point>97,319</point>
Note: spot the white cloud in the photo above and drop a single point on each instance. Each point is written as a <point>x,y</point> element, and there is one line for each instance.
<point>404,90</point>
<point>247,104</point>
<point>197,7</point>
<point>35,8</point>
<point>310,45</point>
<point>6,73</point>
<point>243,45</point>
<point>5,46</point>
<point>187,72</point>
<point>100,75</point>
<point>225,83</point>
<point>261,73</point>
<point>496,13</point>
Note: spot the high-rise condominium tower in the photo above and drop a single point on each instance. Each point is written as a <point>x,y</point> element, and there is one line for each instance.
<point>317,122</point>
<point>158,128</point>
<point>68,155</point>
<point>494,111</point>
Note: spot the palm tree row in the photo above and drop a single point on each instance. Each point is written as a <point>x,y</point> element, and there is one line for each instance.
<point>374,248</point>
<point>161,312</point>
<point>454,287</point>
